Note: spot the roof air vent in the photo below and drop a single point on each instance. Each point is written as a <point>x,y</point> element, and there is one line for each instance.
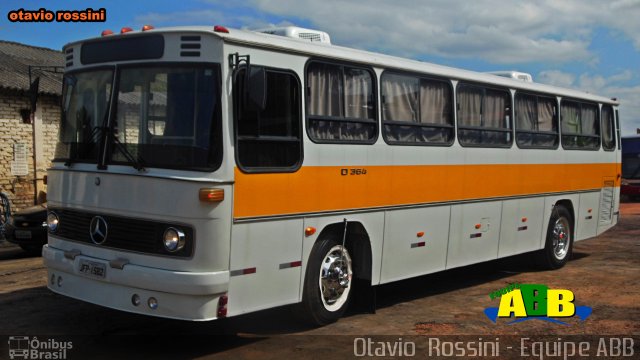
<point>298,33</point>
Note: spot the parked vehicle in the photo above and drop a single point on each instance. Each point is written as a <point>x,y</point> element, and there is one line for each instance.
<point>28,228</point>
<point>630,185</point>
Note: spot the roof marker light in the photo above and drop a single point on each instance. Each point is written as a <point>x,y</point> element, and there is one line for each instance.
<point>147,27</point>
<point>106,32</point>
<point>125,30</point>
<point>220,29</point>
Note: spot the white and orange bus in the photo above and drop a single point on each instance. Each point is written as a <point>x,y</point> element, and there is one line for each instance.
<point>206,172</point>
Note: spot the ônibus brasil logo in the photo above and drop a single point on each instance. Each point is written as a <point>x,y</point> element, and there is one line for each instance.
<point>522,302</point>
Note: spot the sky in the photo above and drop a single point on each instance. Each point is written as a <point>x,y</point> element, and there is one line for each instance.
<point>590,45</point>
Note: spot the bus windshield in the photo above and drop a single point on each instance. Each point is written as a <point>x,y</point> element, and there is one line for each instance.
<point>161,116</point>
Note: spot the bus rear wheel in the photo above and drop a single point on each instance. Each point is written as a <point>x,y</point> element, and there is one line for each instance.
<point>559,243</point>
<point>328,283</point>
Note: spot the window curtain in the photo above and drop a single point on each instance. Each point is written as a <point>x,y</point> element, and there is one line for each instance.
<point>435,98</point>
<point>400,98</point>
<point>526,116</point>
<point>545,114</point>
<point>325,83</point>
<point>607,127</point>
<point>358,93</point>
<point>589,115</point>
<point>570,118</point>
<point>495,104</point>
<point>470,101</point>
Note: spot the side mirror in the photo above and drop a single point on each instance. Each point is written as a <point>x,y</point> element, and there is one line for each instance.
<point>256,93</point>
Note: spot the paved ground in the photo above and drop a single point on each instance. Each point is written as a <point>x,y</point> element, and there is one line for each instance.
<point>604,274</point>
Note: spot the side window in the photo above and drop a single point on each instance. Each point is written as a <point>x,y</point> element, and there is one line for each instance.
<point>416,111</point>
<point>608,128</point>
<point>268,137</point>
<point>341,103</point>
<point>536,121</point>
<point>580,125</point>
<point>484,116</point>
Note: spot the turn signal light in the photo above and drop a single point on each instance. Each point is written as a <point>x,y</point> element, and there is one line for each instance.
<point>478,226</point>
<point>211,195</point>
<point>420,234</point>
<point>309,231</point>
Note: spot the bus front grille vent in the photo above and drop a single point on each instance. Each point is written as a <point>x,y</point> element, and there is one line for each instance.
<point>69,57</point>
<point>190,46</point>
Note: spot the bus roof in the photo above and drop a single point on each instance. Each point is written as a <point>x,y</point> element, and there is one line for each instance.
<point>316,49</point>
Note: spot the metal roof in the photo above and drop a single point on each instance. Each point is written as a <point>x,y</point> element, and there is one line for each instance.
<point>15,59</point>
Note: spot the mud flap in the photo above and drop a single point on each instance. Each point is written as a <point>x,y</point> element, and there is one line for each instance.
<point>364,297</point>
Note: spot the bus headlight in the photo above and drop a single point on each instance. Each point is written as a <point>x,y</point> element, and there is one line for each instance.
<point>173,239</point>
<point>52,221</point>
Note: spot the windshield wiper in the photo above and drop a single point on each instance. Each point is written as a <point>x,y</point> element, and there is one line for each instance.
<point>138,163</point>
<point>94,136</point>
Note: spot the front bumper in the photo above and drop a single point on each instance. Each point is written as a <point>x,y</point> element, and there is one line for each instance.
<point>180,295</point>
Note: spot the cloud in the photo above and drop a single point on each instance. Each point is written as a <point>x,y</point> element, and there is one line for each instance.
<point>493,30</point>
<point>497,31</point>
<point>550,32</point>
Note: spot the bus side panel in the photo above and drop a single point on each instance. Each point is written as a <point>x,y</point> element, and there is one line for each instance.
<point>587,217</point>
<point>265,269</point>
<point>521,227</point>
<point>373,224</point>
<point>415,242</point>
<point>475,233</point>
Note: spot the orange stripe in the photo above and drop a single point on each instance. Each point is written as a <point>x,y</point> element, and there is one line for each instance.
<point>324,188</point>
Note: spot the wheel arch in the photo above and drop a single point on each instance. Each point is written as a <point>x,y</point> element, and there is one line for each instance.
<point>568,204</point>
<point>357,242</point>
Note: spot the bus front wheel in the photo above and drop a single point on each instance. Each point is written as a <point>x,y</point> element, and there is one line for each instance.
<point>328,282</point>
<point>559,243</point>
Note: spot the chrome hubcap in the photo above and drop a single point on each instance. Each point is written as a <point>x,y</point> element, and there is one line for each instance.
<point>561,238</point>
<point>335,276</point>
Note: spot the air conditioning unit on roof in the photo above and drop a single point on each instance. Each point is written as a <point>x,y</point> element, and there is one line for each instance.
<point>298,33</point>
<point>522,76</point>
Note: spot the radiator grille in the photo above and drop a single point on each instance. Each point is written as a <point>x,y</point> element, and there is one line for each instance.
<point>123,233</point>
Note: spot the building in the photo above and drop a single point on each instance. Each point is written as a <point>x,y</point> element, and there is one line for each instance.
<point>21,128</point>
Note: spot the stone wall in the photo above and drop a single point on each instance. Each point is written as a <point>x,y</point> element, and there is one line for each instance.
<point>22,189</point>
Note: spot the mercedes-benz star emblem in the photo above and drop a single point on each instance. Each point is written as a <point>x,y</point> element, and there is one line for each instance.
<point>98,230</point>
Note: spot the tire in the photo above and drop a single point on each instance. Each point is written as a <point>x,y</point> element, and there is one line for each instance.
<point>328,283</point>
<point>559,243</point>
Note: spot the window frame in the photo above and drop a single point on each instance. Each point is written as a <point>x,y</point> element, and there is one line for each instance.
<point>419,77</point>
<point>374,91</point>
<point>484,87</point>
<point>613,128</point>
<point>556,120</point>
<point>562,134</point>
<point>235,109</point>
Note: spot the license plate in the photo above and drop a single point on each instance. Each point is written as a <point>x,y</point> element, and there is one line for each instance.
<point>93,269</point>
<point>23,234</point>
